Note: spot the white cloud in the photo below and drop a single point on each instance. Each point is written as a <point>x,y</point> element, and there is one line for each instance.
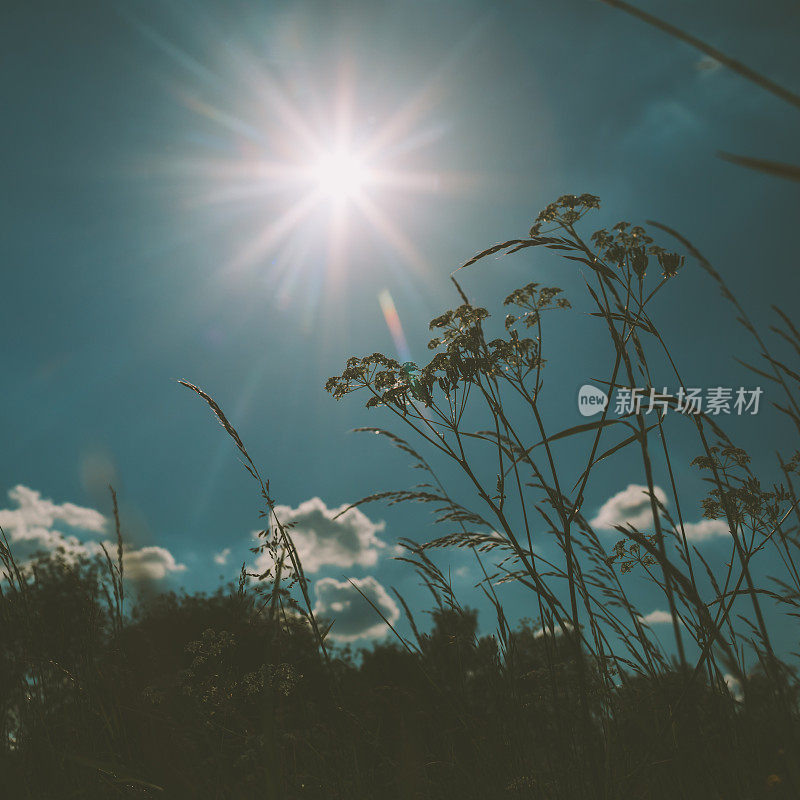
<point>557,630</point>
<point>354,618</point>
<point>322,540</point>
<point>222,556</point>
<point>705,529</point>
<point>631,506</point>
<point>37,524</point>
<point>149,563</point>
<point>657,618</point>
<point>734,687</point>
<point>35,517</point>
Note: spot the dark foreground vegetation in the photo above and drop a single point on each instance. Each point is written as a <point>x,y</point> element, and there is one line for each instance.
<point>201,696</point>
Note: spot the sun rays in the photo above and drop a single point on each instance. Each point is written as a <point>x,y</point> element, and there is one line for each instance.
<point>325,174</point>
<point>301,171</point>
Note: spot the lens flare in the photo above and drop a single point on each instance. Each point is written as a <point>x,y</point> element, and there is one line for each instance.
<point>393,324</point>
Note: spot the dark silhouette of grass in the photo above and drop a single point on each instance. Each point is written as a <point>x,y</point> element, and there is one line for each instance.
<point>194,699</point>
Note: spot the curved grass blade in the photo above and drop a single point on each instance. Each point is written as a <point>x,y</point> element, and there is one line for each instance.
<point>777,169</point>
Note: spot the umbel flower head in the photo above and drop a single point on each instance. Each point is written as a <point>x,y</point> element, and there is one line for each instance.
<point>464,354</point>
<point>670,263</point>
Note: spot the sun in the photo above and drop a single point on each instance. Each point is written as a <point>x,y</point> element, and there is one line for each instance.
<point>312,187</point>
<point>341,175</point>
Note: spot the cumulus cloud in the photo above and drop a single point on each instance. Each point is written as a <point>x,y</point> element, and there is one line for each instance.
<point>705,529</point>
<point>656,618</point>
<point>354,618</point>
<point>631,506</point>
<point>150,563</point>
<point>35,517</point>
<point>321,540</point>
<point>37,524</point>
<point>222,557</point>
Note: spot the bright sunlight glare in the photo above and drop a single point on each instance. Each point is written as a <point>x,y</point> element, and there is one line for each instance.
<point>330,170</point>
<point>341,175</point>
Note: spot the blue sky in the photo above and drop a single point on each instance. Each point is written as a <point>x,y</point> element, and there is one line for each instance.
<point>131,220</point>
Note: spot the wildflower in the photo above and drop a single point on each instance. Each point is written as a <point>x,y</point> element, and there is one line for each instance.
<point>546,296</point>
<point>549,214</point>
<point>441,321</point>
<point>670,263</point>
<point>602,239</point>
<point>639,262</point>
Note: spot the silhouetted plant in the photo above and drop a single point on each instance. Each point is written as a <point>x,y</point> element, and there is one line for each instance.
<point>521,485</point>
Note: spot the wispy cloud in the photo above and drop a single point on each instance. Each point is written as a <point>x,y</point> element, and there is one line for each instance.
<point>222,557</point>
